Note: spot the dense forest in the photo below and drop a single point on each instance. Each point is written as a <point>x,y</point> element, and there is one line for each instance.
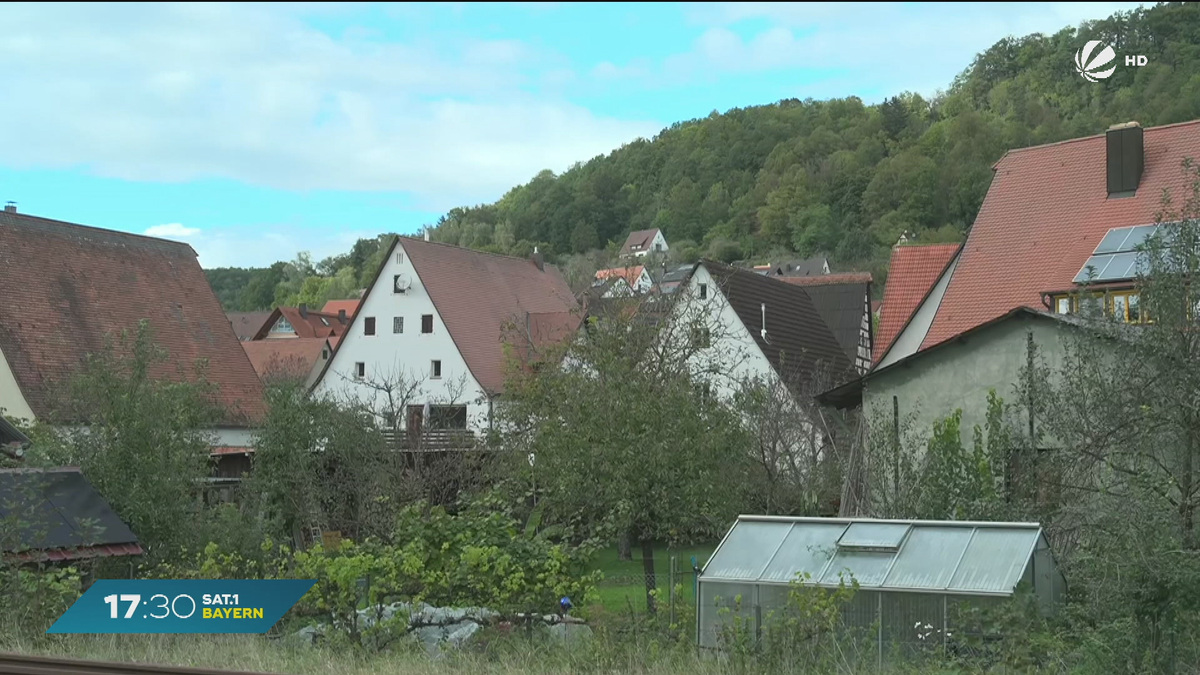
<point>801,176</point>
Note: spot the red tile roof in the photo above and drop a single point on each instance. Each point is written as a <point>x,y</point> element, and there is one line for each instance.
<point>629,274</point>
<point>639,240</point>
<point>285,357</point>
<point>246,324</point>
<point>912,272</point>
<point>1044,214</point>
<point>333,306</point>
<point>829,279</point>
<point>479,295</point>
<point>313,324</point>
<point>66,287</point>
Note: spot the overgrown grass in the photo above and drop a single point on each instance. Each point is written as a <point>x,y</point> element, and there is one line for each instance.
<point>624,583</point>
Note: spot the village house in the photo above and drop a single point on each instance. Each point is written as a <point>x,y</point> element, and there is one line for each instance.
<point>641,243</point>
<point>285,323</point>
<point>622,281</point>
<point>69,290</point>
<point>1055,217</point>
<point>426,349</point>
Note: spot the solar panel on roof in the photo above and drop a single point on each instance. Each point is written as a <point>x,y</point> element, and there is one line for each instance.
<point>1111,243</point>
<point>1116,256</point>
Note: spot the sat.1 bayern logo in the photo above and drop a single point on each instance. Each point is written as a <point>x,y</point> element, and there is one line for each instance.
<point>1089,67</point>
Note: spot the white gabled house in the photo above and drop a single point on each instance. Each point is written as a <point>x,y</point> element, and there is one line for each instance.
<point>425,349</point>
<point>621,282</point>
<point>641,243</point>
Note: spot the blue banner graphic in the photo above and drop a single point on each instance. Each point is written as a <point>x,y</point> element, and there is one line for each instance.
<point>182,606</point>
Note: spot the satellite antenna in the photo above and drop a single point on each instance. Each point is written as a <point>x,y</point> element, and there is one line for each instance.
<point>402,282</point>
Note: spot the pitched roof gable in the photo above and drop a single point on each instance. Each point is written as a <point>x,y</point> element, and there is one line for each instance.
<point>841,304</point>
<point>912,273</point>
<point>246,324</point>
<point>478,295</point>
<point>638,240</point>
<point>1045,212</point>
<point>310,324</point>
<point>67,287</point>
<point>798,336</point>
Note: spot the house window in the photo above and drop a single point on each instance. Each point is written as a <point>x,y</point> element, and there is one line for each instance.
<point>324,353</point>
<point>360,370</point>
<point>369,325</point>
<point>658,247</point>
<point>397,324</point>
<point>701,337</point>
<point>1062,304</point>
<point>436,370</point>
<point>426,323</point>
<point>399,258</point>
<point>399,284</point>
<point>440,417</point>
<point>1124,306</point>
<point>282,326</point>
<point>703,291</point>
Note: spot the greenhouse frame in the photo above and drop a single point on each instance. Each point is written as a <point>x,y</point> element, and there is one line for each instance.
<point>915,576</point>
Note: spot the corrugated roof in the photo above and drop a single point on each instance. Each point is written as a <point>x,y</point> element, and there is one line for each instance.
<point>67,288</point>
<point>951,557</point>
<point>912,272</point>
<point>1045,212</point>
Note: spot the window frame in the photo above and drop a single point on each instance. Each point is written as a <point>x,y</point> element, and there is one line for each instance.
<point>423,318</point>
<point>360,370</point>
<point>369,325</point>
<point>397,325</point>
<point>435,369</point>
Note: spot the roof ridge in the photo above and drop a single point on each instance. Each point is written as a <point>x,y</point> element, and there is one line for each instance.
<point>468,249</point>
<point>1102,133</point>
<point>55,221</point>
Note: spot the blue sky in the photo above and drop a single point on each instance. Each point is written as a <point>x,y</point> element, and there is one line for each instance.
<point>254,131</point>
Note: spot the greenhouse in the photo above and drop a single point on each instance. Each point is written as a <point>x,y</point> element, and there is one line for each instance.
<point>917,580</point>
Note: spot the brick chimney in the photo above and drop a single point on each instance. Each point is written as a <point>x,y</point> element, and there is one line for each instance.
<point>342,316</point>
<point>10,207</point>
<point>303,311</point>
<point>1125,158</point>
<point>538,260</point>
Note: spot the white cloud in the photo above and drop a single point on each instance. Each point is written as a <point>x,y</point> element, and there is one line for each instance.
<point>896,46</point>
<point>174,92</point>
<point>171,231</point>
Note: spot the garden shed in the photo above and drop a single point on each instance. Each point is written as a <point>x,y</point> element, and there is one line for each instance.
<point>918,580</point>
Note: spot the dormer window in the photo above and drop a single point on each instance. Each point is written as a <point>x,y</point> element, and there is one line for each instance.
<point>282,326</point>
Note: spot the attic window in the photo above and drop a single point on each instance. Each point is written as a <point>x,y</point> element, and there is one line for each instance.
<point>324,353</point>
<point>360,370</point>
<point>703,291</point>
<point>435,370</point>
<point>426,323</point>
<point>369,325</point>
<point>282,326</point>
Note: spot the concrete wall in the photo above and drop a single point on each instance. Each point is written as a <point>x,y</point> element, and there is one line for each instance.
<point>407,355</point>
<point>959,375</point>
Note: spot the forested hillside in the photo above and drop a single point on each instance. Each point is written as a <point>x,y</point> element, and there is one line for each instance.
<point>806,176</point>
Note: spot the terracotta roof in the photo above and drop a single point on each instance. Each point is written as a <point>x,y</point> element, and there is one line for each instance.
<point>639,240</point>
<point>246,324</point>
<point>311,324</point>
<point>479,296</point>
<point>629,274</point>
<point>830,279</point>
<point>1044,214</point>
<point>67,287</point>
<point>912,272</point>
<point>285,357</point>
<point>798,336</point>
<point>333,306</point>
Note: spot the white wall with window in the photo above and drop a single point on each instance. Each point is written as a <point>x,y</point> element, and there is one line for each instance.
<point>417,349</point>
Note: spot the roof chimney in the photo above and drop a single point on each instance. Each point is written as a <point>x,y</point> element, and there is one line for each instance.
<point>342,316</point>
<point>303,311</point>
<point>426,231</point>
<point>538,260</point>
<point>10,207</point>
<point>1125,158</point>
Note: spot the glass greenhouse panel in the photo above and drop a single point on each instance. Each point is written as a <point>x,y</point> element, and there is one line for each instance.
<point>929,557</point>
<point>994,561</point>
<point>805,550</point>
<point>866,567</point>
<point>746,550</point>
<point>874,535</point>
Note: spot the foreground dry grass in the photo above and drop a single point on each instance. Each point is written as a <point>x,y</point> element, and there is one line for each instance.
<point>258,654</point>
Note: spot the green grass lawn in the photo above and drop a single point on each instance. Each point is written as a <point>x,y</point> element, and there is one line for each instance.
<point>624,581</point>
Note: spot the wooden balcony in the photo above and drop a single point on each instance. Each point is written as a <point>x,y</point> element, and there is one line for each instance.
<point>431,440</point>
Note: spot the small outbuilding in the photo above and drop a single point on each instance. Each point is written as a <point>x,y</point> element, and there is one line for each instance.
<point>915,577</point>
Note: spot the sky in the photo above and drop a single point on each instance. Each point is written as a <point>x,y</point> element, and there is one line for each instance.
<point>255,131</point>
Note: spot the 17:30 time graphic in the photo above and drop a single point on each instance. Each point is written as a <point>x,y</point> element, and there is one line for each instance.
<point>169,606</point>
